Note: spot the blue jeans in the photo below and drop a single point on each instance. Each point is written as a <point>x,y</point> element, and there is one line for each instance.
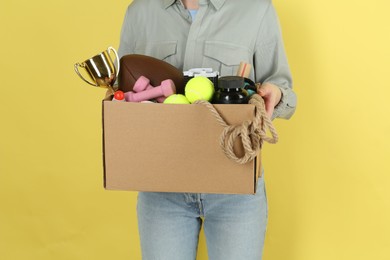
<point>234,225</point>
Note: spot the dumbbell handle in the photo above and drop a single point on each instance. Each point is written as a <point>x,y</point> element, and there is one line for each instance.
<point>142,84</point>
<point>166,89</point>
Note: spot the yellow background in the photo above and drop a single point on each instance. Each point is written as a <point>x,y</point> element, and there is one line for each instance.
<point>327,179</point>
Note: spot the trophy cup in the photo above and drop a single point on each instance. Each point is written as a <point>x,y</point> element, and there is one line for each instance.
<point>100,69</point>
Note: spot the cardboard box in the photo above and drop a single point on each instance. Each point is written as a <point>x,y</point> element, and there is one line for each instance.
<point>172,148</point>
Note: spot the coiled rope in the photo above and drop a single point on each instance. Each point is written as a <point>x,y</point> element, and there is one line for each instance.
<point>252,133</point>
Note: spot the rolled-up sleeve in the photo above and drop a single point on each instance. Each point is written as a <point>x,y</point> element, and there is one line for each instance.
<point>271,64</point>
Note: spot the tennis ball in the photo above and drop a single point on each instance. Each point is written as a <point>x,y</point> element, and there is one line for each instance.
<point>199,88</point>
<point>176,99</point>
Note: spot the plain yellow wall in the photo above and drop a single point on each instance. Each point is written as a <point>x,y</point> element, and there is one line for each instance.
<point>327,179</point>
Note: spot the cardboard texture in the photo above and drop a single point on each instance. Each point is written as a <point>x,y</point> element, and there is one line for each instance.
<point>172,148</point>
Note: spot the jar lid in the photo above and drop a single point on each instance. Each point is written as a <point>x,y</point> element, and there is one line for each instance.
<point>228,82</point>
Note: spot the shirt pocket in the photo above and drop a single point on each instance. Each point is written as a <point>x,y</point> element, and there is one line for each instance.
<point>225,57</point>
<point>164,50</point>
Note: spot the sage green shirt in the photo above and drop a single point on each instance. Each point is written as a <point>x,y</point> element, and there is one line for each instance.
<point>223,34</point>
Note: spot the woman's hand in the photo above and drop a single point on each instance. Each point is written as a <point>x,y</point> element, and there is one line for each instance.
<point>271,95</point>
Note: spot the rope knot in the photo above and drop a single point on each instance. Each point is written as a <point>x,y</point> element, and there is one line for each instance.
<point>251,133</point>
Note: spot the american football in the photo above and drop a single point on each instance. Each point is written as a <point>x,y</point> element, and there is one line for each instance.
<point>133,66</point>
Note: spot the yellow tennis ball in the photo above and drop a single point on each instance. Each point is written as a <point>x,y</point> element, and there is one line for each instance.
<point>176,99</point>
<point>199,88</point>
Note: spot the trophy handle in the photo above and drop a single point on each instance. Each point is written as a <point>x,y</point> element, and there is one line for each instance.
<point>76,68</point>
<point>117,58</point>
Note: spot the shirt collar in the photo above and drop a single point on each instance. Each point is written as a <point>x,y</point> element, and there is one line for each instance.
<point>168,3</point>
<point>216,3</point>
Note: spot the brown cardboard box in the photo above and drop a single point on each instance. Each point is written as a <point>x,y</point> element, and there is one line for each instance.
<point>172,148</point>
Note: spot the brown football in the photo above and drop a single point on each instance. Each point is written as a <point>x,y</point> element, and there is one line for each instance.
<point>133,66</point>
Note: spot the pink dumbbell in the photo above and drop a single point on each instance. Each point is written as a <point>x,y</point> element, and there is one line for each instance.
<point>142,84</point>
<point>166,89</point>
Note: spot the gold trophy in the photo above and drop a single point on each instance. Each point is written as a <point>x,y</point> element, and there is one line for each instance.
<point>100,69</point>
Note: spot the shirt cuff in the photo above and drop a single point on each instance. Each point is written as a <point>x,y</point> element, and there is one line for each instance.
<point>286,106</point>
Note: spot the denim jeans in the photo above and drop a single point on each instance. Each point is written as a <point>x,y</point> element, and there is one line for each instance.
<point>234,225</point>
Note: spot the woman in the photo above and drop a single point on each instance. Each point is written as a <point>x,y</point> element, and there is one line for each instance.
<point>217,34</point>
